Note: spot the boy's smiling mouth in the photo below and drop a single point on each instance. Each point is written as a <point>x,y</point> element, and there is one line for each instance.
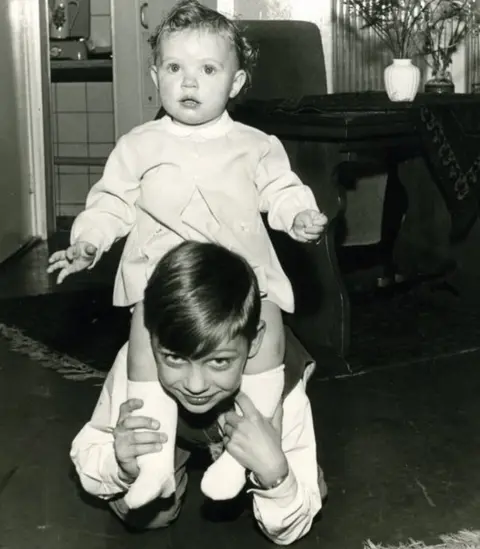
<point>197,401</point>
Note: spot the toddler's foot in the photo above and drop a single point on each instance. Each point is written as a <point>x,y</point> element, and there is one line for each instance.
<point>157,471</point>
<point>225,478</point>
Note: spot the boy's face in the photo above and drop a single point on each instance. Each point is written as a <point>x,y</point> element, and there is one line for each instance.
<point>196,75</point>
<point>199,385</point>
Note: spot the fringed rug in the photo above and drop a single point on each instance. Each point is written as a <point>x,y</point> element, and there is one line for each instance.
<point>67,366</point>
<point>465,539</point>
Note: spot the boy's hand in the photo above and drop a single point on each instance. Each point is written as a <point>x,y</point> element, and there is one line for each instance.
<point>309,225</point>
<point>72,260</point>
<point>255,441</point>
<point>129,442</point>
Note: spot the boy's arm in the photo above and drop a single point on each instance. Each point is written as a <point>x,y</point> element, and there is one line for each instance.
<point>282,194</point>
<point>110,207</point>
<point>285,513</point>
<point>92,450</point>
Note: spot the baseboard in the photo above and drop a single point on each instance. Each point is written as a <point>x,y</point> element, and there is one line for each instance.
<point>21,251</point>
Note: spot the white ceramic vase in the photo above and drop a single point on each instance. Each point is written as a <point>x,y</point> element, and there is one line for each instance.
<point>402,80</point>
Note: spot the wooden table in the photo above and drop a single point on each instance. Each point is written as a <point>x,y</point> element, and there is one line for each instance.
<point>347,123</point>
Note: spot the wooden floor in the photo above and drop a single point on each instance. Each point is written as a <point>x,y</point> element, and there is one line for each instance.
<point>400,449</point>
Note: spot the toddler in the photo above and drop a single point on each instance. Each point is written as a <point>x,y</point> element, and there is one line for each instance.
<point>195,174</point>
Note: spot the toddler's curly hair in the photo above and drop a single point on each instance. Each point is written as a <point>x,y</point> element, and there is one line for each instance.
<point>192,15</point>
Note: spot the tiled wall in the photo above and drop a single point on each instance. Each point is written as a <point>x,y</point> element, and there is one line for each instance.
<point>100,27</point>
<point>83,126</point>
<point>82,122</point>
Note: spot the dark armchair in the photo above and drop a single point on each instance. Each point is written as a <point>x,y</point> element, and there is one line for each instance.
<point>291,65</point>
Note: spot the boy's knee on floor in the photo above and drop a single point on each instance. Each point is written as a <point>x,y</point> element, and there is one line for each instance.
<point>153,516</point>
<point>162,520</point>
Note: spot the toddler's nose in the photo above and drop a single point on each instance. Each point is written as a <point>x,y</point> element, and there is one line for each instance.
<point>189,82</point>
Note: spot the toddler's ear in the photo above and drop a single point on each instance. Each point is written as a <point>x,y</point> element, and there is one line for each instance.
<point>238,82</point>
<point>154,75</point>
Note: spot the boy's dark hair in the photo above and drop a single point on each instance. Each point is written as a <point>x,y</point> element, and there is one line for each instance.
<point>192,15</point>
<point>199,295</point>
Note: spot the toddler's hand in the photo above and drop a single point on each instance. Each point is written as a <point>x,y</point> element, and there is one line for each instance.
<point>130,442</point>
<point>72,260</point>
<point>309,225</point>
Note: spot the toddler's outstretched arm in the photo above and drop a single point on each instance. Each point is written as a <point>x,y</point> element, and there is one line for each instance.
<point>110,213</point>
<point>284,196</point>
<point>110,210</point>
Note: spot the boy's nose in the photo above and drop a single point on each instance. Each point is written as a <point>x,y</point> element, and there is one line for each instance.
<point>195,383</point>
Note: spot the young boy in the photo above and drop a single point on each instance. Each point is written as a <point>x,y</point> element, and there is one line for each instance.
<point>203,330</point>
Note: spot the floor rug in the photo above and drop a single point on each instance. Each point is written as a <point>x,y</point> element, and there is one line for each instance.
<point>76,333</point>
<point>408,326</point>
<point>465,539</point>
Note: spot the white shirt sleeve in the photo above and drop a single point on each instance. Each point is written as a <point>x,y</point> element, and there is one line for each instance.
<point>92,449</point>
<point>110,210</point>
<point>285,513</point>
<point>282,194</point>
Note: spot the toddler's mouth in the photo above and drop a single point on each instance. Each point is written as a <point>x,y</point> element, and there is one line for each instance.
<point>190,102</point>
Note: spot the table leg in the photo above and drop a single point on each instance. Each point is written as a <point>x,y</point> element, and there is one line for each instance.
<point>395,206</point>
<point>422,247</point>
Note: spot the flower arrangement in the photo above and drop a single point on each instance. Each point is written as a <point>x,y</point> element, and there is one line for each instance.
<point>395,22</point>
<point>432,28</point>
<point>446,25</point>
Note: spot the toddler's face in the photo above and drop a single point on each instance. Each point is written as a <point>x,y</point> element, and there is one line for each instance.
<point>196,75</point>
<point>199,385</point>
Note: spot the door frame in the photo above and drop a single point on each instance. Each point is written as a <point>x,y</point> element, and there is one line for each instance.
<point>29,21</point>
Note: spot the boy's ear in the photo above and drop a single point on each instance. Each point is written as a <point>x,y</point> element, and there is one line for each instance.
<point>257,342</point>
<point>154,75</point>
<point>238,82</point>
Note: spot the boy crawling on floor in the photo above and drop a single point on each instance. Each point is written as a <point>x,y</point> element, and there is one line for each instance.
<point>203,330</point>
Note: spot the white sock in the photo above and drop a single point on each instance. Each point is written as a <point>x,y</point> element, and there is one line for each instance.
<point>157,471</point>
<point>225,478</point>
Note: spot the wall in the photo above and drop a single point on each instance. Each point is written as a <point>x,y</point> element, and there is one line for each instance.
<point>15,207</point>
<point>100,24</point>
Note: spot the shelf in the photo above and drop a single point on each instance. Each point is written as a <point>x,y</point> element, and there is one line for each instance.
<point>88,70</point>
<point>79,161</point>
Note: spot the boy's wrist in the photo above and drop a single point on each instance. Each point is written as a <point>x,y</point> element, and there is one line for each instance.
<point>273,478</point>
<point>125,476</point>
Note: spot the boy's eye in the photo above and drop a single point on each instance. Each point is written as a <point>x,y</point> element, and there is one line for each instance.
<point>219,363</point>
<point>173,67</point>
<point>209,69</point>
<point>174,359</point>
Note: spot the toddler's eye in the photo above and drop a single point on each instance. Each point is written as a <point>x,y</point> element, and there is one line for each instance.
<point>209,69</point>
<point>173,67</point>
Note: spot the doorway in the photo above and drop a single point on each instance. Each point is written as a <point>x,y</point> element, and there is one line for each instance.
<point>81,102</point>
